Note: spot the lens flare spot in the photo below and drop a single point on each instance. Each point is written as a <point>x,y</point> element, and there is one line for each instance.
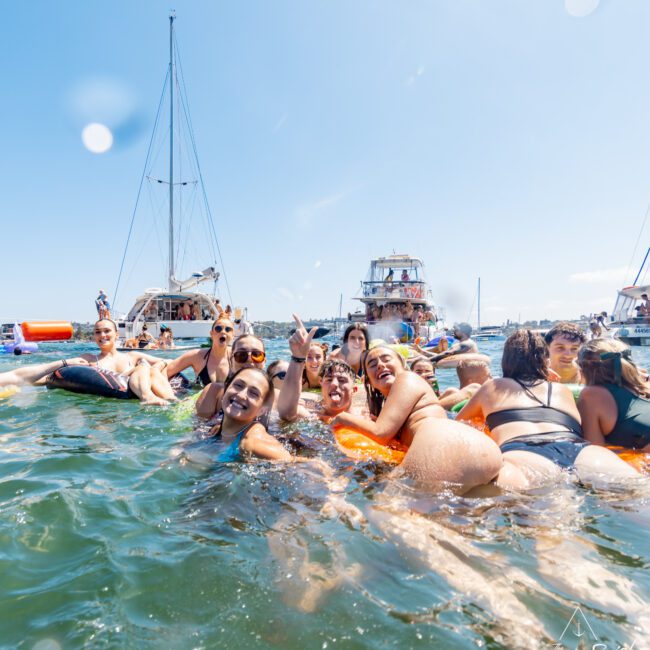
<point>97,138</point>
<point>580,8</point>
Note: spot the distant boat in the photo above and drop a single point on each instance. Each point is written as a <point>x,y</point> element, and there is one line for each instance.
<point>625,323</point>
<point>158,306</point>
<point>391,283</point>
<point>486,332</point>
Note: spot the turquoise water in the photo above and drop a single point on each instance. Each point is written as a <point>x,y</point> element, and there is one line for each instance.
<point>107,541</point>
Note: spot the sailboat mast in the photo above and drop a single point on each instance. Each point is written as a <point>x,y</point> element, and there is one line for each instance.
<point>171,148</point>
<point>478,325</point>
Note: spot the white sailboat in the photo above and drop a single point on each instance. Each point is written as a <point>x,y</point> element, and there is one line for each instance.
<point>169,306</point>
<point>486,332</point>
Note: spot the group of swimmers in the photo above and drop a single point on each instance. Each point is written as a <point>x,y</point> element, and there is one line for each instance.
<point>536,429</point>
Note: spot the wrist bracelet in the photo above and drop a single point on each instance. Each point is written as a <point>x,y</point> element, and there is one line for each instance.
<point>64,362</point>
<point>298,359</point>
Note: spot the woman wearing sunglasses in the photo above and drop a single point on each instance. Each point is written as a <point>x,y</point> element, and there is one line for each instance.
<point>441,451</point>
<point>247,352</point>
<point>212,365</point>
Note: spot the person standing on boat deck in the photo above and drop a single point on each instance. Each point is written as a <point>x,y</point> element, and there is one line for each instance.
<point>465,344</point>
<point>564,341</point>
<point>212,365</point>
<point>102,305</point>
<point>405,276</point>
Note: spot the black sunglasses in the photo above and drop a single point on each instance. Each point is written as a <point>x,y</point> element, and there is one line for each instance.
<point>280,375</point>
<point>221,328</point>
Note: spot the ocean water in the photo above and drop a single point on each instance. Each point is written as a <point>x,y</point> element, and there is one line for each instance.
<point>108,541</point>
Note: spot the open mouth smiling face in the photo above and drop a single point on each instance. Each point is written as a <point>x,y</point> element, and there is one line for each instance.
<point>315,358</point>
<point>244,398</point>
<point>105,334</point>
<point>382,367</point>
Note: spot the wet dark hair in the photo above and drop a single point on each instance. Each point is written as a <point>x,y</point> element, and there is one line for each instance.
<point>569,331</point>
<point>361,328</point>
<point>525,357</point>
<point>272,366</point>
<point>422,360</point>
<point>336,365</point>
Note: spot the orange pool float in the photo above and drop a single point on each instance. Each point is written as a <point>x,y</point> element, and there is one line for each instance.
<point>358,446</point>
<point>640,460</point>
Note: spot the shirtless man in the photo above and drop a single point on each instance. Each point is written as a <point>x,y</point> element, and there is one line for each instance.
<point>472,373</point>
<point>141,372</point>
<point>337,381</point>
<point>465,345</point>
<point>564,341</point>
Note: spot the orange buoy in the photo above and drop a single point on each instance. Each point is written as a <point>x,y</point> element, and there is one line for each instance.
<point>359,447</point>
<point>55,330</point>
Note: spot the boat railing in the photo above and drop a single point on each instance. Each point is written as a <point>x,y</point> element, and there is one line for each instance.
<point>395,290</point>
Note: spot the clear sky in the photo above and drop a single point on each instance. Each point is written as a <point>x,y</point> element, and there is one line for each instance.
<point>494,138</point>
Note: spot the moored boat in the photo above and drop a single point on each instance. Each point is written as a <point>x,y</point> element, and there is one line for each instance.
<point>180,306</point>
<point>626,325</point>
<point>398,301</point>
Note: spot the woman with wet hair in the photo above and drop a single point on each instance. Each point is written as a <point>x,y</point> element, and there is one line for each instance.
<point>356,341</point>
<point>248,395</point>
<point>535,422</point>
<point>441,452</point>
<point>615,404</point>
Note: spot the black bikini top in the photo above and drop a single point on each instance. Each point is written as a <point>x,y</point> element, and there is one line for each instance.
<point>542,413</point>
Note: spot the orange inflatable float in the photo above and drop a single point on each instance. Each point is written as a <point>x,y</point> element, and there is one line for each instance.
<point>56,330</point>
<point>359,447</point>
<point>640,460</point>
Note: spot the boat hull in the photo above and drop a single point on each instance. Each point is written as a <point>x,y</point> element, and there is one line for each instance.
<point>181,329</point>
<point>634,334</point>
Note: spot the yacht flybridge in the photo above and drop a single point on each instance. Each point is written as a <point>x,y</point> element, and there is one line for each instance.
<point>395,287</point>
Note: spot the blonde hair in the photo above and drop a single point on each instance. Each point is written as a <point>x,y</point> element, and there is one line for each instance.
<point>608,361</point>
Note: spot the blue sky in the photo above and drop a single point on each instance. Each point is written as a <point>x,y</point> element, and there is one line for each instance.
<point>501,139</point>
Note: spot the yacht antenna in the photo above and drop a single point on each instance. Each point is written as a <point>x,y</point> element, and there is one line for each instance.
<point>172,16</point>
